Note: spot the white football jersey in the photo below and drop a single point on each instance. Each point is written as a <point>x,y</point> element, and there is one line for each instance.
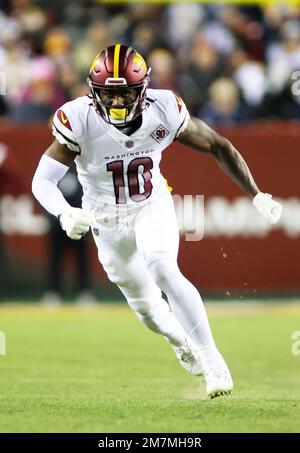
<point>114,168</point>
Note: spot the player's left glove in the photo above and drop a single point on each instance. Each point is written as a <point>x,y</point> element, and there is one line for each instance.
<point>269,208</point>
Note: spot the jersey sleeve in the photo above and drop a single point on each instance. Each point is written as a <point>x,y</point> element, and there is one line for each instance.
<point>182,115</point>
<point>63,131</point>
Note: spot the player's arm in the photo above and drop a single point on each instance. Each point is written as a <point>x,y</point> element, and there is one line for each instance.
<point>60,153</point>
<point>200,137</point>
<point>52,167</point>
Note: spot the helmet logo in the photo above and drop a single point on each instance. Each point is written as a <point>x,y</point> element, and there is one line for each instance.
<point>140,61</point>
<point>94,62</point>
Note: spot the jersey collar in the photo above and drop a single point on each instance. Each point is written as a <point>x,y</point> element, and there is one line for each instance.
<point>136,137</point>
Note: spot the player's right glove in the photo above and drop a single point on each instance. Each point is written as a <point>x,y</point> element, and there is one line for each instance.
<point>75,222</point>
<point>269,208</point>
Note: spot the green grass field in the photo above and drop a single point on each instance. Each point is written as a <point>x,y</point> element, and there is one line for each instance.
<point>100,370</point>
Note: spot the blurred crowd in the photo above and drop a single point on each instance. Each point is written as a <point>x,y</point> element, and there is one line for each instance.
<point>230,64</point>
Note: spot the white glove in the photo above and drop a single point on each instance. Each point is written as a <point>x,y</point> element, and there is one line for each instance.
<point>269,208</point>
<point>75,222</point>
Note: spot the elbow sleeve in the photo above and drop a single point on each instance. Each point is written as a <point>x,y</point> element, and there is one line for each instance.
<point>44,185</point>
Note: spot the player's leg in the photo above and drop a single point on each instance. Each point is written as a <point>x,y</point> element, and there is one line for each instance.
<point>158,238</point>
<point>189,309</point>
<point>126,267</point>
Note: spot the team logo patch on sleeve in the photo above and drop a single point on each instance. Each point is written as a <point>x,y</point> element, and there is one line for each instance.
<point>160,133</point>
<point>63,119</point>
<point>179,103</point>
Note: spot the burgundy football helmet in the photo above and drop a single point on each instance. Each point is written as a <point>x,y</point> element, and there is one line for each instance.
<point>118,80</point>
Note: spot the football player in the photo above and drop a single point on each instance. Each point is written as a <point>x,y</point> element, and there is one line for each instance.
<point>116,136</point>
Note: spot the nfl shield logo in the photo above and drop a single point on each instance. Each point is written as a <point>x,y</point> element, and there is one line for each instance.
<point>129,144</point>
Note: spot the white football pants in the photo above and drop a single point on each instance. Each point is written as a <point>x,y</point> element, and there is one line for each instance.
<point>140,256</point>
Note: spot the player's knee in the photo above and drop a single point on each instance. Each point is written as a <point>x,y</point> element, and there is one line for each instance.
<point>164,270</point>
<point>119,276</point>
<point>119,280</point>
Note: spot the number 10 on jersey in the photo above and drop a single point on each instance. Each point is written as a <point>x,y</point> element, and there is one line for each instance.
<point>137,191</point>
